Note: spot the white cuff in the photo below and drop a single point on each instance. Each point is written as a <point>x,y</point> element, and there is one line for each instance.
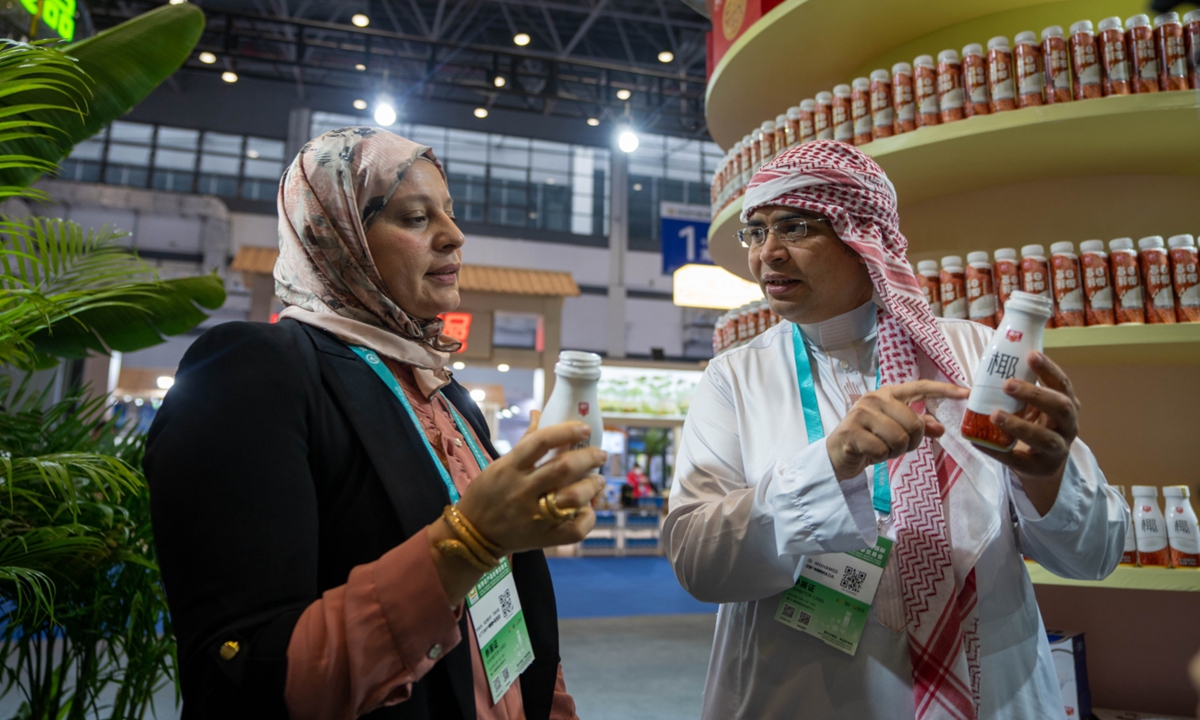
<point>1065,514</point>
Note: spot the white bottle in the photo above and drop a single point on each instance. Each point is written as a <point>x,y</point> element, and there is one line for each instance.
<point>1129,555</point>
<point>1007,356</point>
<point>574,396</point>
<point>1151,527</point>
<point>1182,533</point>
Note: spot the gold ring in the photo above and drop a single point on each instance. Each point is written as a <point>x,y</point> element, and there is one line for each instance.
<point>548,509</point>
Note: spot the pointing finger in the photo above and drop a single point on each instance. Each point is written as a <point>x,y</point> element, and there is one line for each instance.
<point>911,392</point>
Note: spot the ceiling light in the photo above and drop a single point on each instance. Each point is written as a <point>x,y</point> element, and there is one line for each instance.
<point>207,58</point>
<point>360,67</point>
<point>666,56</point>
<point>628,140</point>
<point>459,365</point>
<point>521,39</point>
<point>514,409</point>
<point>709,286</point>
<point>506,413</point>
<point>479,395</point>
<point>229,76</point>
<point>178,2</point>
<point>637,187</point>
<point>360,104</point>
<point>481,113</point>
<point>593,121</point>
<point>503,367</point>
<point>385,114</point>
<point>361,20</point>
<point>138,401</point>
<point>623,94</point>
<point>164,382</point>
<point>500,81</point>
<point>128,398</point>
<point>252,154</point>
<point>549,181</point>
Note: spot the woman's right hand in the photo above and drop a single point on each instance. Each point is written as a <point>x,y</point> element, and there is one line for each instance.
<point>502,501</point>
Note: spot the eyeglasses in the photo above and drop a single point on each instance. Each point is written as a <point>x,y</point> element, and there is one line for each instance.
<point>790,231</point>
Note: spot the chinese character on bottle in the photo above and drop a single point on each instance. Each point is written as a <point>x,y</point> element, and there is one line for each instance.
<point>1003,365</point>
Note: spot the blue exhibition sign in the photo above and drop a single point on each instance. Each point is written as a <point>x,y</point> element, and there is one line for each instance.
<point>684,233</point>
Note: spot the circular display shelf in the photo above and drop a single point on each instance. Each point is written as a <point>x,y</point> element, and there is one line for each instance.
<point>1126,578</point>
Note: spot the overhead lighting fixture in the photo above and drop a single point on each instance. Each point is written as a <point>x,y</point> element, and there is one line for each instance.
<point>593,121</point>
<point>138,401</point>
<point>521,39</point>
<point>252,154</point>
<point>459,365</point>
<point>164,382</point>
<point>361,20</point>
<point>479,395</point>
<point>623,94</point>
<point>515,409</point>
<point>666,56</point>
<point>360,67</point>
<point>503,367</point>
<point>637,187</point>
<point>549,181</point>
<point>360,104</point>
<point>385,113</point>
<point>709,286</point>
<point>628,140</point>
<point>499,81</point>
<point>178,2</point>
<point>207,58</point>
<point>481,113</point>
<point>506,413</point>
<point>229,76</point>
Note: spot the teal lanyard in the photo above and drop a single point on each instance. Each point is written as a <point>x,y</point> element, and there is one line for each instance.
<point>882,495</point>
<point>376,364</point>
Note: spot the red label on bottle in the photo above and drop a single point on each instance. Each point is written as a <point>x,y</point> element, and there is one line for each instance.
<point>1014,335</point>
<point>583,409</point>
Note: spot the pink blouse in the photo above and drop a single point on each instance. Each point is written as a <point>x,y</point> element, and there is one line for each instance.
<point>364,644</point>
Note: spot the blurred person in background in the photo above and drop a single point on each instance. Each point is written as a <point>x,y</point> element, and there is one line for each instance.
<point>639,483</point>
<point>305,476</point>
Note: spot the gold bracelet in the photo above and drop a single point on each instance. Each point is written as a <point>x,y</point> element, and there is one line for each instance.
<point>488,545</point>
<point>457,524</point>
<point>457,549</point>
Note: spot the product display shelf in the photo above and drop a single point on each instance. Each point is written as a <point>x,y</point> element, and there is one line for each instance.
<point>1126,578</point>
<point>643,420</point>
<point>1125,345</point>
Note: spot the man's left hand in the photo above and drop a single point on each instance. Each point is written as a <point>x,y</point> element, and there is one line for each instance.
<point>1044,430</point>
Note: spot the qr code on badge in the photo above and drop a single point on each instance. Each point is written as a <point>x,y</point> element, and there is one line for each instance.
<point>506,605</point>
<point>790,612</point>
<point>852,580</point>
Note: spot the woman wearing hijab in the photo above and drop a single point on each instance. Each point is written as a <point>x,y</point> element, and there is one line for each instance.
<point>325,495</point>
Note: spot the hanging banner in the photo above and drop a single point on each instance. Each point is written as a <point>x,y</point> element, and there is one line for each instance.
<point>684,233</point>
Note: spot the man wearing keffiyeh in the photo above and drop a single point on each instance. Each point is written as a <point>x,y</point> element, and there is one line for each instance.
<point>953,631</point>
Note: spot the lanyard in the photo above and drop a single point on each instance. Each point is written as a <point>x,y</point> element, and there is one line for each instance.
<point>376,364</point>
<point>881,498</point>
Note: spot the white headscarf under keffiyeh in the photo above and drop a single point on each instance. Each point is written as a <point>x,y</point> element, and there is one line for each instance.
<point>942,524</point>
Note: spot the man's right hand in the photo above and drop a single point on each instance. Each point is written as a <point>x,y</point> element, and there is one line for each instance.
<point>882,426</point>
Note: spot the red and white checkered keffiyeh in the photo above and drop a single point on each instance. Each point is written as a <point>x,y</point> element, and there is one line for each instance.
<point>929,585</point>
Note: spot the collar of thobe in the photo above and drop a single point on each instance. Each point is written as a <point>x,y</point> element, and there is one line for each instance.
<point>842,330</point>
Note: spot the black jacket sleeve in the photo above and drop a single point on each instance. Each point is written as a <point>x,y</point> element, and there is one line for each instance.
<point>235,518</point>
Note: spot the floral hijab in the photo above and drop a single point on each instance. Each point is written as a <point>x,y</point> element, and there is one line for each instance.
<point>328,198</point>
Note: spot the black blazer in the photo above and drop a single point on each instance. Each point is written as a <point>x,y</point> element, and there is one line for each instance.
<point>277,463</point>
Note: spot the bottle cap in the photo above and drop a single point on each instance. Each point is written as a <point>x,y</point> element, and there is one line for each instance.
<point>842,91</point>
<point>978,258</point>
<point>780,120</point>
<point>1121,244</point>
<point>925,61</point>
<point>1149,243</point>
<point>1091,246</point>
<point>1176,241</point>
<point>948,56</point>
<point>746,140</point>
<point>1112,23</point>
<point>1005,254</point>
<point>767,126</point>
<point>1166,18</point>
<point>1033,250</point>
<point>1038,305</point>
<point>1177,491</point>
<point>756,135</point>
<point>881,75</point>
<point>902,68</point>
<point>1145,491</point>
<point>578,364</point>
<point>793,112</point>
<point>1139,20</point>
<point>927,267</point>
<point>825,98</point>
<point>1026,38</point>
<point>973,49</point>
<point>1083,26</point>
<point>1193,16</point>
<point>1054,31</point>
<point>1065,247</point>
<point>998,41</point>
<point>737,147</point>
<point>1119,488</point>
<point>861,84</point>
<point>952,261</point>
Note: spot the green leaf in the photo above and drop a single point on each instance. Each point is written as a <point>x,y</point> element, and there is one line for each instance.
<point>123,65</point>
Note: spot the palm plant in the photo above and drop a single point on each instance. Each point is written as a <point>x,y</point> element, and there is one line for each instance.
<point>82,610</point>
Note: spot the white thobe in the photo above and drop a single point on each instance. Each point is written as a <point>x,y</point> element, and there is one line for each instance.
<point>752,498</point>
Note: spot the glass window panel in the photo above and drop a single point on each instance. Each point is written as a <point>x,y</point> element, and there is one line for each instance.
<point>173,180</point>
<point>509,157</point>
<point>219,164</point>
<point>174,159</point>
<point>458,167</point>
<point>119,154</point>
<point>264,148</point>
<point>464,145</point>
<point>515,330</point>
<point>125,175</point>
<point>132,132</point>
<point>434,137</point>
<point>508,173</point>
<point>217,185</point>
<point>543,177</point>
<point>221,143</point>
<point>259,189</point>
<point>508,141</point>
<point>551,157</point>
<point>178,138</point>
<point>80,171</point>
<point>263,169</point>
<point>88,150</point>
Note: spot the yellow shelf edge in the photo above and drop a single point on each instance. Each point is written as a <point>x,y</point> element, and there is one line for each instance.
<point>1125,578</point>
<point>1109,335</point>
